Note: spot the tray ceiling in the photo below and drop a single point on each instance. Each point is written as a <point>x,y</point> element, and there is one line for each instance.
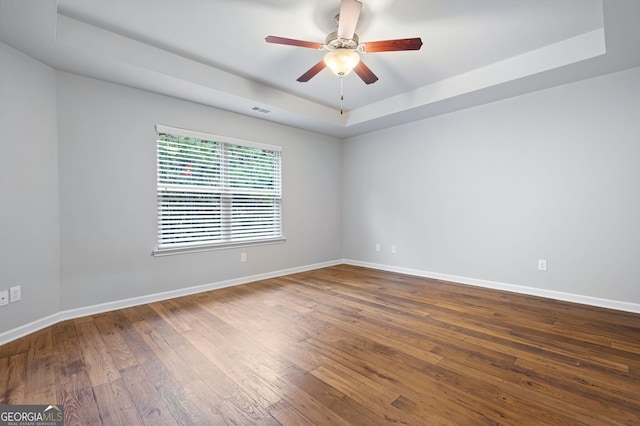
<point>213,52</point>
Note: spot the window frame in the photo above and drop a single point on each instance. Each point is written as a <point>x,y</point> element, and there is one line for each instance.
<point>225,193</point>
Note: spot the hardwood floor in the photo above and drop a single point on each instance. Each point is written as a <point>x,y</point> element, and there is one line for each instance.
<point>337,346</point>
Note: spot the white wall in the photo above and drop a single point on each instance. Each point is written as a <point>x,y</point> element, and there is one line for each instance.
<point>485,192</point>
<point>29,211</point>
<point>108,194</point>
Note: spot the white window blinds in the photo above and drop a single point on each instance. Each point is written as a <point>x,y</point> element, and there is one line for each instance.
<point>215,191</point>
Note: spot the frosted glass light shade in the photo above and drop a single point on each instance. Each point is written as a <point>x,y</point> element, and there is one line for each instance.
<point>341,61</point>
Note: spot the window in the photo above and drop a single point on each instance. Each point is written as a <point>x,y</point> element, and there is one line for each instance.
<point>215,191</point>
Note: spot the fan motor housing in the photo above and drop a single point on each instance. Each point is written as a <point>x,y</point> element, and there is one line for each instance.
<point>334,42</point>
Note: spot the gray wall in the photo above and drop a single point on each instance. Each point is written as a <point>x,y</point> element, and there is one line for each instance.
<point>108,194</point>
<point>29,211</point>
<point>483,193</point>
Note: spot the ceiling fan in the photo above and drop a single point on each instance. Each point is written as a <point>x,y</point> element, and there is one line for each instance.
<point>343,46</point>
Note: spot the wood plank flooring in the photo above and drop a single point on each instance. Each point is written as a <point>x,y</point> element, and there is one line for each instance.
<point>336,346</point>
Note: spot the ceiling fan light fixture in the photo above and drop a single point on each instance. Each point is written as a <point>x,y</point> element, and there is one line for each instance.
<point>341,61</point>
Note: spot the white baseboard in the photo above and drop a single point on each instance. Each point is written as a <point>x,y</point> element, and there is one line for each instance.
<point>550,294</point>
<point>50,320</point>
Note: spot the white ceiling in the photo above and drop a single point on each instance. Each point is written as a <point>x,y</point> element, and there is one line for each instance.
<point>213,52</point>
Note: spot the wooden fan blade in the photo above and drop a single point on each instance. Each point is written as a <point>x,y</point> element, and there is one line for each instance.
<point>349,14</point>
<point>365,73</point>
<point>293,42</point>
<point>392,45</point>
<point>312,72</point>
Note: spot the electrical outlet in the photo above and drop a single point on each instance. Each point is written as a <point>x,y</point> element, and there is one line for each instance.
<point>378,247</point>
<point>4,297</point>
<point>15,294</point>
<point>393,249</point>
<point>542,264</point>
<point>243,257</point>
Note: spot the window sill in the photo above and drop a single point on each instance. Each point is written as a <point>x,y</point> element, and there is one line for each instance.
<point>159,252</point>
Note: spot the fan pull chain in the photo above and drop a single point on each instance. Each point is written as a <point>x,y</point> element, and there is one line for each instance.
<point>341,93</point>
